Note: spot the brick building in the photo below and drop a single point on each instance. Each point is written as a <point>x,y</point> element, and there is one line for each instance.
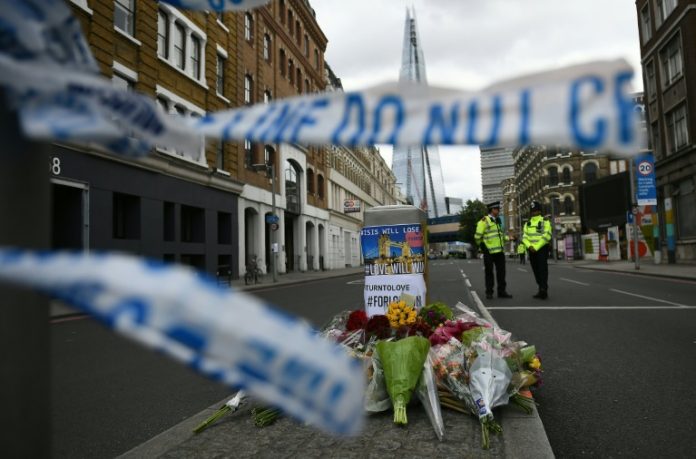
<point>204,208</point>
<point>668,50</point>
<point>553,176</point>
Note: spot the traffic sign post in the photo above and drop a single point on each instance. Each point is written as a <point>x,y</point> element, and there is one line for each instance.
<point>634,210</point>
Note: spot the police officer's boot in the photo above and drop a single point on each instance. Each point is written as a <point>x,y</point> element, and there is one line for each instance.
<point>542,295</point>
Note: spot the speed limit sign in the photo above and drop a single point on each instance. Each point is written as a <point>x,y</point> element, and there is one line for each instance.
<point>645,168</point>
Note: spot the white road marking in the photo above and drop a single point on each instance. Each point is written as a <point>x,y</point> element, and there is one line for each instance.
<point>357,281</point>
<point>577,308</point>
<point>645,297</point>
<point>522,269</point>
<point>575,282</point>
<point>468,283</point>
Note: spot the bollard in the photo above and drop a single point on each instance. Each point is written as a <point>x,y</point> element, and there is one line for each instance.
<point>394,247</point>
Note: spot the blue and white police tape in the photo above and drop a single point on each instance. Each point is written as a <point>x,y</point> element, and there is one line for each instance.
<point>226,335</point>
<point>217,5</point>
<point>584,106</point>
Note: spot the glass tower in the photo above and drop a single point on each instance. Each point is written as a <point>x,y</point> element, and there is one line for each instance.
<point>417,169</point>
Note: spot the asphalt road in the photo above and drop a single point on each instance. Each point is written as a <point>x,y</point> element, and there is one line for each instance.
<point>619,353</point>
<point>618,378</point>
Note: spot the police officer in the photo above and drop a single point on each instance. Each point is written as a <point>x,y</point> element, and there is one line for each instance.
<point>490,238</point>
<point>536,237</point>
<point>521,251</point>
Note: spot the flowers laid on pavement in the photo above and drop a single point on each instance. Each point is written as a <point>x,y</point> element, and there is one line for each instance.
<point>449,358</point>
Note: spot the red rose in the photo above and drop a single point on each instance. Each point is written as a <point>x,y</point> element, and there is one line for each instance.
<point>356,320</point>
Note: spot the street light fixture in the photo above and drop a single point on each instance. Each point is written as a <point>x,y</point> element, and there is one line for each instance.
<point>274,247</point>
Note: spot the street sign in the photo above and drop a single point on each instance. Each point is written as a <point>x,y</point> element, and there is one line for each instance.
<point>646,192</point>
<point>274,226</point>
<point>270,218</point>
<point>629,217</point>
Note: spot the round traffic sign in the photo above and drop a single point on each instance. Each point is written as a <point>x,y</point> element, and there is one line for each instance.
<point>645,168</point>
<point>274,227</point>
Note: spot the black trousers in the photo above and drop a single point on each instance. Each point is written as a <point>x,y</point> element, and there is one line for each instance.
<point>522,255</point>
<point>539,261</point>
<point>497,259</point>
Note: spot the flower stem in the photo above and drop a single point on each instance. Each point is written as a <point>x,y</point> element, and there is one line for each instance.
<point>224,409</point>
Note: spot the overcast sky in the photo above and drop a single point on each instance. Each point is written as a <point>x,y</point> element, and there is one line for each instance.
<point>469,44</point>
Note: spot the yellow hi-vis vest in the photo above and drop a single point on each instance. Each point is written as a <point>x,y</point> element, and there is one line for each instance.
<point>537,232</point>
<point>521,248</point>
<point>490,233</point>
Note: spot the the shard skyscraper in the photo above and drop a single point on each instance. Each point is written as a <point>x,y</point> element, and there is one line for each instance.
<point>417,169</point>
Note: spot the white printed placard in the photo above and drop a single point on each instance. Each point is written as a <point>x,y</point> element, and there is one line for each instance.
<point>382,290</point>
<point>394,264</point>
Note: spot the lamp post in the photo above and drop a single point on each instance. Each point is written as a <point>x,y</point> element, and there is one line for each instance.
<point>274,250</point>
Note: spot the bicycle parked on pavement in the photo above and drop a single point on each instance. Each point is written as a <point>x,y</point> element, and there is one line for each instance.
<point>253,272</point>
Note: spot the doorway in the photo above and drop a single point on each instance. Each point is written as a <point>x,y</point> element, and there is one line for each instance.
<point>70,215</point>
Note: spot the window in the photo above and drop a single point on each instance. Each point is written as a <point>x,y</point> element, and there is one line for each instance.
<point>291,23</point>
<point>248,89</point>
<point>267,96</point>
<point>590,172</point>
<point>267,48</point>
<point>281,11</point>
<point>124,16</point>
<point>282,61</point>
<point>320,186</point>
<point>553,176</point>
<point>677,132</point>
<point>196,58</point>
<point>126,216</point>
<point>568,206</point>
<point>316,59</point>
<point>306,85</point>
<point>121,81</point>
<point>224,227</point>
<point>656,141</point>
<point>268,155</point>
<point>671,61</point>
<point>566,175</point>
<point>298,79</point>
<point>555,205</point>
<point>310,181</point>
<point>650,79</point>
<point>220,74</point>
<point>248,26</point>
<point>645,23</point>
<point>298,33</point>
<point>192,224</point>
<point>686,209</point>
<point>663,8</point>
<point>162,34</point>
<point>248,154</point>
<point>179,45</point>
<point>168,221</point>
<point>291,71</point>
<point>306,45</point>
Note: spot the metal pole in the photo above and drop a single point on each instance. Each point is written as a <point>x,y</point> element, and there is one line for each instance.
<point>636,256</point>
<point>274,255</point>
<point>25,200</point>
